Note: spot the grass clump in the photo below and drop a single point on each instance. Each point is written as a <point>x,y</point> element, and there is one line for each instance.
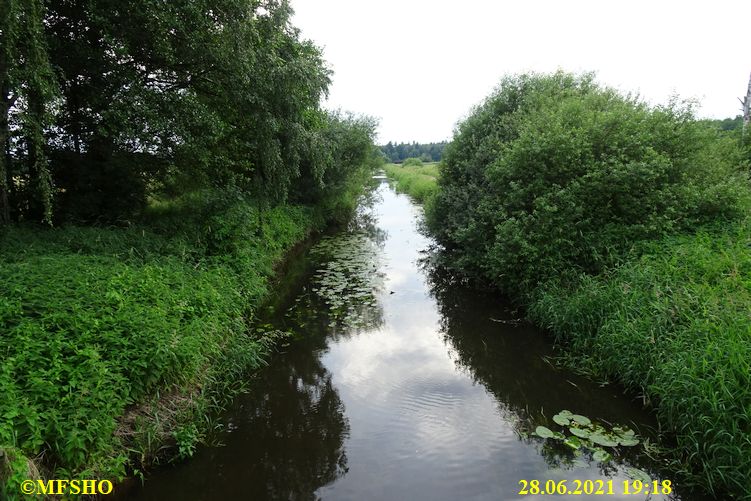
<point>417,180</point>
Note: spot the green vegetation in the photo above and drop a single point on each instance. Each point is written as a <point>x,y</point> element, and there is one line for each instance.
<point>675,324</point>
<point>104,106</point>
<point>190,138</point>
<point>398,152</point>
<point>346,282</point>
<point>622,227</point>
<point>119,343</point>
<point>590,437</point>
<point>415,178</point>
<point>556,174</point>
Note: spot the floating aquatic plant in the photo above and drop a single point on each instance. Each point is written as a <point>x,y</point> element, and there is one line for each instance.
<point>348,277</point>
<point>582,434</point>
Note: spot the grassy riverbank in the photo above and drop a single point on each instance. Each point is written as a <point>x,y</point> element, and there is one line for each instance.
<point>119,345</point>
<point>623,230</point>
<point>415,178</point>
<point>674,325</point>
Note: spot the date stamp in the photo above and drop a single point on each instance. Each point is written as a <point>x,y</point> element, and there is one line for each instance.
<point>594,487</point>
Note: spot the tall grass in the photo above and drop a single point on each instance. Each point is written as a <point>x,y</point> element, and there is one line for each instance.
<point>674,325</point>
<point>420,182</point>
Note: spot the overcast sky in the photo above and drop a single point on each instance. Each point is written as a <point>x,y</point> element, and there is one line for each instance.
<point>420,65</point>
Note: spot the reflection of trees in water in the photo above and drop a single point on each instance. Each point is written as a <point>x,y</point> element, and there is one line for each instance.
<point>365,219</point>
<point>510,359</point>
<point>295,429</point>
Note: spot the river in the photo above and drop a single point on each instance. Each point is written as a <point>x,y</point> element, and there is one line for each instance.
<point>402,384</point>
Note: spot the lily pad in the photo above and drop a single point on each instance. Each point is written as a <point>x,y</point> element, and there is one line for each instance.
<point>601,456</point>
<point>628,441</point>
<point>544,432</point>
<point>580,432</point>
<point>562,419</point>
<point>602,440</point>
<point>638,474</point>
<point>582,420</point>
<point>623,432</point>
<point>573,442</point>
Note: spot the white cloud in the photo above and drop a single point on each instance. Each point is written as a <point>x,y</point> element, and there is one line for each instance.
<point>420,65</point>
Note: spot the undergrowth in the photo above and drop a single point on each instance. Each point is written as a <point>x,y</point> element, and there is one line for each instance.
<point>120,342</point>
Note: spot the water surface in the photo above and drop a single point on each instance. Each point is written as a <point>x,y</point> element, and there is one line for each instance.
<point>399,384</point>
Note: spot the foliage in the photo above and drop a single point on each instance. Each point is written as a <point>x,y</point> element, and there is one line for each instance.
<point>154,98</point>
<point>418,180</point>
<point>674,325</point>
<point>341,149</point>
<point>398,152</point>
<point>727,124</point>
<point>26,76</point>
<point>99,321</point>
<point>555,173</point>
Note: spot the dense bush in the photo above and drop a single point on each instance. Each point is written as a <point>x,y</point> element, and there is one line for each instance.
<point>412,162</point>
<point>554,173</point>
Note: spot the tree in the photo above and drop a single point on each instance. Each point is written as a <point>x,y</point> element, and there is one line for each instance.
<point>746,102</point>
<point>27,88</point>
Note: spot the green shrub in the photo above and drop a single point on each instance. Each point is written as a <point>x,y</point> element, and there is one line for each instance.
<point>412,162</point>
<point>555,173</point>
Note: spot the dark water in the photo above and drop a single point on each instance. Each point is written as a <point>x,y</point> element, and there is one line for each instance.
<point>414,388</point>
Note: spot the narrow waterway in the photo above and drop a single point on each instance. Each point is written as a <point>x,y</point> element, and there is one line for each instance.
<point>401,385</point>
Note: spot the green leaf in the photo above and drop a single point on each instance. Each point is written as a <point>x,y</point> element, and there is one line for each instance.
<point>628,442</point>
<point>544,432</point>
<point>603,440</point>
<point>583,420</point>
<point>573,442</point>
<point>561,419</point>
<point>638,474</point>
<point>601,456</point>
<point>580,432</point>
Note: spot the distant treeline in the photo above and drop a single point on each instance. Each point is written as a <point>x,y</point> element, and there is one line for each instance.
<point>428,152</point>
<point>727,123</point>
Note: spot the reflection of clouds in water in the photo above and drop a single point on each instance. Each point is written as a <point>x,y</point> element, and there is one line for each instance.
<point>386,355</point>
<point>421,403</point>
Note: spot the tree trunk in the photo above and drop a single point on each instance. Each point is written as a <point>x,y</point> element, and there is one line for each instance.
<point>747,108</point>
<point>5,167</point>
